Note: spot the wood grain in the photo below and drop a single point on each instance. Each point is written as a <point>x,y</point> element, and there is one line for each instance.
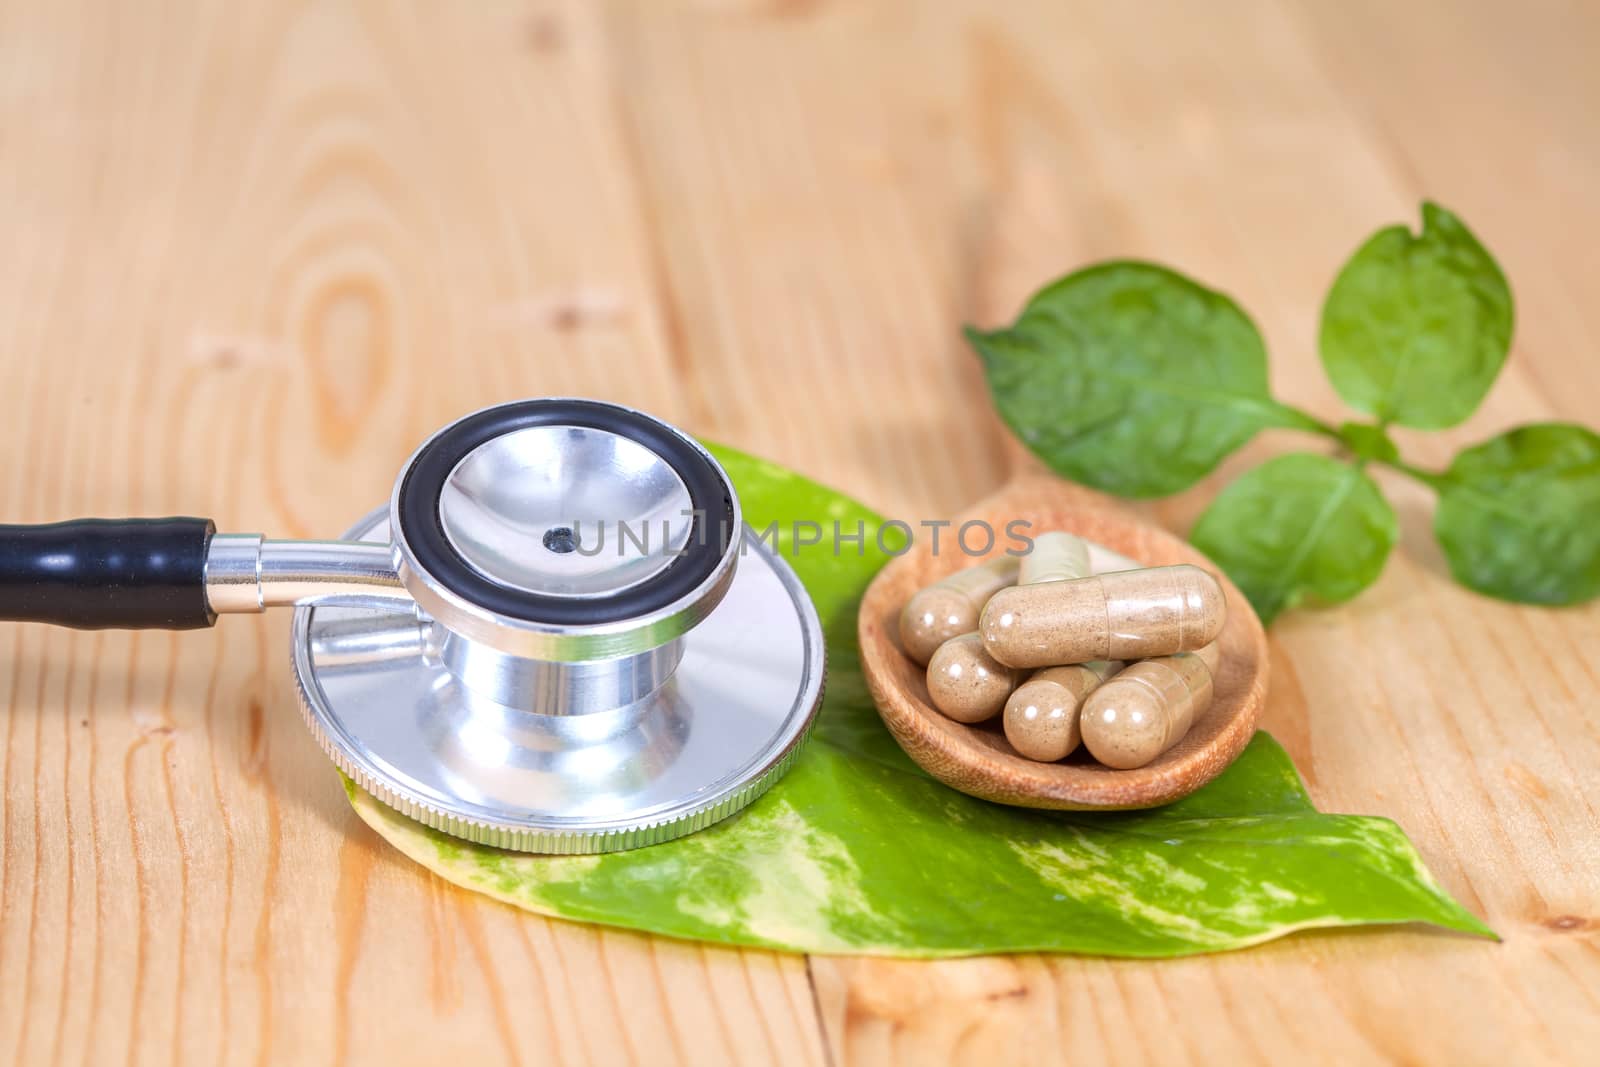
<point>255,251</point>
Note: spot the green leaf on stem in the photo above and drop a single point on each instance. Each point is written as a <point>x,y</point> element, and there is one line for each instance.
<point>1417,326</point>
<point>1299,526</point>
<point>1519,515</point>
<point>1131,378</point>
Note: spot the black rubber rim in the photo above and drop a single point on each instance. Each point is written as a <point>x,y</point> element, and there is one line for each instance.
<point>423,531</point>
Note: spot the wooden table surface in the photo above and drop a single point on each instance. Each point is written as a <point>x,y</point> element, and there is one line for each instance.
<point>253,252</point>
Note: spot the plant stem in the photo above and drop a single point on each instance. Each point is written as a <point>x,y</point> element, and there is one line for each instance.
<point>1434,480</point>
<point>1295,419</point>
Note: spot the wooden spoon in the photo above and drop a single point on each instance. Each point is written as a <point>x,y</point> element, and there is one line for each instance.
<point>977,759</point>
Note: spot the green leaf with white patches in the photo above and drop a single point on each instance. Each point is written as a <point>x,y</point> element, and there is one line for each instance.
<point>857,851</point>
<point>1299,526</point>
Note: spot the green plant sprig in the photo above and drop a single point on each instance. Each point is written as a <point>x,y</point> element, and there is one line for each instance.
<point>1132,378</point>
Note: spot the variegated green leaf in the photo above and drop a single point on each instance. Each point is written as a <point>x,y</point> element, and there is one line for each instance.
<point>858,851</point>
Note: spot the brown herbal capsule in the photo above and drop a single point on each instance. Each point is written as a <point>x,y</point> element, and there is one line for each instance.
<point>966,683</point>
<point>1056,557</point>
<point>950,606</point>
<point>1147,708</point>
<point>1042,715</point>
<point>1123,615</point>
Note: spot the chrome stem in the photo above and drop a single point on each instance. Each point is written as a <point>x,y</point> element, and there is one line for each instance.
<point>249,573</point>
<point>551,688</point>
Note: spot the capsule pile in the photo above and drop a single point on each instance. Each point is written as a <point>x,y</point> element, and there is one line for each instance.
<point>1121,663</point>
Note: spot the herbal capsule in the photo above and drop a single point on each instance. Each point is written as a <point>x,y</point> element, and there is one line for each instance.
<point>1123,615</point>
<point>966,683</point>
<point>1041,718</point>
<point>950,606</point>
<point>1056,557</point>
<point>1147,708</point>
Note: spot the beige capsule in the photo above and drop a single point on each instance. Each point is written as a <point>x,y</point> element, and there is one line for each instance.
<point>1147,708</point>
<point>1056,557</point>
<point>950,606</point>
<point>1124,615</point>
<point>966,683</point>
<point>1041,717</point>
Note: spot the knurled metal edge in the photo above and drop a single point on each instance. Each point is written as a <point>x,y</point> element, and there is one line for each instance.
<point>566,843</point>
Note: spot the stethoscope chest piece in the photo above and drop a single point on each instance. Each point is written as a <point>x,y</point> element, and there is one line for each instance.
<point>559,635</point>
<point>596,654</point>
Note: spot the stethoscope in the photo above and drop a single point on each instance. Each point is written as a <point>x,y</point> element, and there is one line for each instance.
<point>559,635</point>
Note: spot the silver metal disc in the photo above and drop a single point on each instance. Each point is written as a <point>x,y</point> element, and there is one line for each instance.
<point>724,727</point>
<point>530,510</point>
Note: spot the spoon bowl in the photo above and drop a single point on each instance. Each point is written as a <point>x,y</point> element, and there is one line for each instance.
<point>977,759</point>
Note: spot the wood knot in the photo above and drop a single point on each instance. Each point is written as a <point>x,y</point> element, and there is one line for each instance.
<point>566,317</point>
<point>1568,923</point>
<point>152,724</point>
<point>227,352</point>
<point>1014,993</point>
<point>581,308</point>
<point>565,311</point>
<point>1528,783</point>
<point>255,753</point>
<point>544,35</point>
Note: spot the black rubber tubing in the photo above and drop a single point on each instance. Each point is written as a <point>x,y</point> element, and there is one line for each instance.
<point>107,574</point>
